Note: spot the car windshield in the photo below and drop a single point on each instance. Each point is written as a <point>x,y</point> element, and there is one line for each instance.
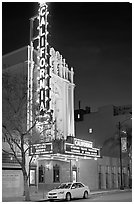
<point>64,185</point>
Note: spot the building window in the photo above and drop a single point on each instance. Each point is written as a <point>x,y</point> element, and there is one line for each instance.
<point>107,177</point>
<point>119,177</point>
<point>100,180</point>
<point>90,130</point>
<point>113,182</point>
<point>41,174</point>
<point>56,174</point>
<point>99,177</point>
<point>125,176</point>
<point>32,178</point>
<point>118,180</point>
<point>107,181</point>
<point>113,176</point>
<point>74,173</point>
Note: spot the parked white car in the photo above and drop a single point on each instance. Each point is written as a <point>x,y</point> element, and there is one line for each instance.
<point>69,191</point>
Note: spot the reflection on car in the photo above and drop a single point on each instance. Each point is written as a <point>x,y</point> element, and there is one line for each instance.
<point>69,191</point>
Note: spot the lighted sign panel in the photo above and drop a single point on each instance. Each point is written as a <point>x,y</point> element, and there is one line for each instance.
<point>41,149</point>
<point>124,144</point>
<point>80,150</point>
<point>83,143</point>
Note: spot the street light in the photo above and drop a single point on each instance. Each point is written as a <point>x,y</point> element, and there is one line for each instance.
<point>120,123</point>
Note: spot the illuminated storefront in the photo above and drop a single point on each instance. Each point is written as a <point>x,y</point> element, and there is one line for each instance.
<point>58,154</point>
<point>60,160</point>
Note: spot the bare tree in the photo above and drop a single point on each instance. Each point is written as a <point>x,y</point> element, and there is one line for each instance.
<point>14,123</point>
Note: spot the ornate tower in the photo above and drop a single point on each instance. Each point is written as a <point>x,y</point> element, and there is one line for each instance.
<point>62,95</point>
<point>50,84</point>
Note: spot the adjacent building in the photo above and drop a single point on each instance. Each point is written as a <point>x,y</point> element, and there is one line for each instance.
<point>106,127</point>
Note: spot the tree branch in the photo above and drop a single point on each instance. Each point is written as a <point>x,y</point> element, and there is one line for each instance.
<point>8,132</point>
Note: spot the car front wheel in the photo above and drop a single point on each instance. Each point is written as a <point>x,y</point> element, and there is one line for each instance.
<point>68,197</point>
<point>85,194</point>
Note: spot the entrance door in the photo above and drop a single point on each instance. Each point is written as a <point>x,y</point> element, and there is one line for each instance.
<point>74,175</point>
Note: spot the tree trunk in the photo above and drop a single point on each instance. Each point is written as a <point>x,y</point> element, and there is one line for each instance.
<point>26,188</point>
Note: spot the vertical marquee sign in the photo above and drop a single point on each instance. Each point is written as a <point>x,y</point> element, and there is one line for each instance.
<point>44,77</point>
<point>39,74</point>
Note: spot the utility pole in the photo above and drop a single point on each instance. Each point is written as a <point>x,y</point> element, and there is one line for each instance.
<point>121,186</point>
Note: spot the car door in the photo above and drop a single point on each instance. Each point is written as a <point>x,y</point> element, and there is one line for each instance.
<point>80,190</point>
<point>77,190</point>
<point>74,190</point>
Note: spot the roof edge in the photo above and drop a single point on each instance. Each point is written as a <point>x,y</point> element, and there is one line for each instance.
<point>15,51</point>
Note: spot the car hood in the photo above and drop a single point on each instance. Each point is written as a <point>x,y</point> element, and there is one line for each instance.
<point>56,190</point>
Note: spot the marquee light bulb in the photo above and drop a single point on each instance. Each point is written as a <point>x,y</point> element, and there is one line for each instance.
<point>38,90</point>
<point>37,101</point>
<point>43,4</point>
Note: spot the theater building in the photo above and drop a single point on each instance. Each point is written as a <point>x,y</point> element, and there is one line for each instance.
<point>59,156</point>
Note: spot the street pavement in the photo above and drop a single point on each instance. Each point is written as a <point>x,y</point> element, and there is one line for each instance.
<point>122,196</point>
<point>41,196</point>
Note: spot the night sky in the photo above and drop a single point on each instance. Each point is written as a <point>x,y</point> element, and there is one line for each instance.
<point>94,38</point>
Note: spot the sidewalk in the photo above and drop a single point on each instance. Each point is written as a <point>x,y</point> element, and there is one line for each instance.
<point>34,196</point>
<point>41,196</point>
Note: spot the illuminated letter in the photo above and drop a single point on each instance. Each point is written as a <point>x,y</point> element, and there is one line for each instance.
<point>42,41</point>
<point>41,95</point>
<point>41,32</point>
<point>42,21</point>
<point>42,73</point>
<point>42,62</point>
<point>42,106</point>
<point>42,84</point>
<point>41,51</point>
<point>42,13</point>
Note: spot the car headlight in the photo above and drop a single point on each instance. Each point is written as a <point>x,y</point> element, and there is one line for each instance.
<point>61,192</point>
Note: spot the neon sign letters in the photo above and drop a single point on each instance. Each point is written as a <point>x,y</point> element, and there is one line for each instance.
<point>83,143</point>
<point>81,151</point>
<point>82,148</point>
<point>44,77</point>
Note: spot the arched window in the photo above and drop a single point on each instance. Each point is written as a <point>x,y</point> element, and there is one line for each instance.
<point>56,174</point>
<point>41,174</point>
